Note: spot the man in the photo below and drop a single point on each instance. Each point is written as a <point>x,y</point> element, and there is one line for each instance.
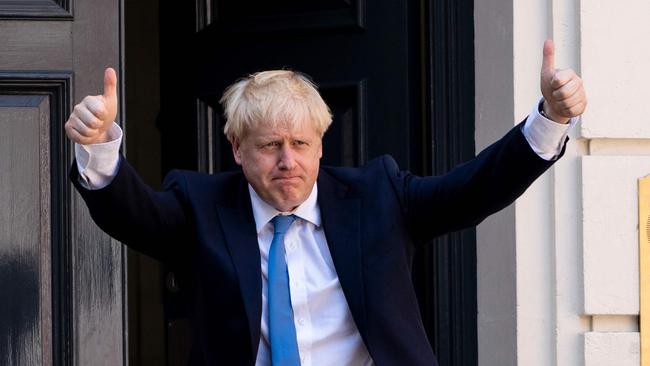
<point>291,263</point>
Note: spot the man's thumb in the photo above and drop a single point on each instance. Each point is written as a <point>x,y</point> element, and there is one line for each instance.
<point>110,84</point>
<point>548,63</point>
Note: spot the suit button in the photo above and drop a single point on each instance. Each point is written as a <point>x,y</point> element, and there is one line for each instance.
<point>301,321</point>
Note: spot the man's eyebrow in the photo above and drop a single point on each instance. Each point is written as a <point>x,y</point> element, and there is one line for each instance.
<point>267,138</point>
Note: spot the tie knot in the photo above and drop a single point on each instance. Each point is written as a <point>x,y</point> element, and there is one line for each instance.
<point>281,223</point>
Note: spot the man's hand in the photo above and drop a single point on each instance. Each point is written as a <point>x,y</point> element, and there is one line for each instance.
<point>91,119</point>
<point>564,94</point>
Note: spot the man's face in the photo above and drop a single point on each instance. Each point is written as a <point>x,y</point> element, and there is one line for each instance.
<point>281,164</point>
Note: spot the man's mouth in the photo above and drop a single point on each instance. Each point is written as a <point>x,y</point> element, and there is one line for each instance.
<point>287,179</point>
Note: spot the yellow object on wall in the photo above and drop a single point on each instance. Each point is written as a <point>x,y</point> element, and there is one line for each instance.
<point>644,268</point>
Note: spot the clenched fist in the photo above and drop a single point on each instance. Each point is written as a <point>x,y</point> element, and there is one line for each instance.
<point>91,119</point>
<point>564,94</point>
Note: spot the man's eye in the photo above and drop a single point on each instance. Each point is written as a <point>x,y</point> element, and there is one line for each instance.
<point>271,144</point>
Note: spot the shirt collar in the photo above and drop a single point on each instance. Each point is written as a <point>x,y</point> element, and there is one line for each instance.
<point>263,212</point>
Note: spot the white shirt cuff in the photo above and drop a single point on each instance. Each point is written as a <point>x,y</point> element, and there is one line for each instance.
<point>544,136</point>
<point>98,163</point>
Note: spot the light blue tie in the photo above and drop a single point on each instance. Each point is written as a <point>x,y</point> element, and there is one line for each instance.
<point>282,332</point>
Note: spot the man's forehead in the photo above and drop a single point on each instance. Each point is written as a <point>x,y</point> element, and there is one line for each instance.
<point>283,130</point>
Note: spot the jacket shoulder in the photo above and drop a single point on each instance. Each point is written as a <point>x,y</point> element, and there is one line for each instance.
<point>378,166</point>
<point>202,186</point>
<point>378,176</point>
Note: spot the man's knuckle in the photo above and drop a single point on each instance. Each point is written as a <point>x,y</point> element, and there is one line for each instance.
<point>99,112</point>
<point>89,100</point>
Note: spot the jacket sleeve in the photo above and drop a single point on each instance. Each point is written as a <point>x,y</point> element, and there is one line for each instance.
<point>150,222</point>
<point>470,192</point>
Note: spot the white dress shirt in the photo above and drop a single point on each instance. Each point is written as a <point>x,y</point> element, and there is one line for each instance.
<point>325,330</point>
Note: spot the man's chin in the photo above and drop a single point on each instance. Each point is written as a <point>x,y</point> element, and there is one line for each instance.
<point>286,204</point>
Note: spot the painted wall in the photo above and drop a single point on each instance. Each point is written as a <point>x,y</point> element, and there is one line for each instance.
<point>558,270</point>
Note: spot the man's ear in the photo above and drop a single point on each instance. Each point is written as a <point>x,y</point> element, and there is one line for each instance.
<point>236,149</point>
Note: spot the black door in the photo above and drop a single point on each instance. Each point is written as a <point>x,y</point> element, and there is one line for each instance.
<point>61,278</point>
<point>375,66</point>
<point>360,54</point>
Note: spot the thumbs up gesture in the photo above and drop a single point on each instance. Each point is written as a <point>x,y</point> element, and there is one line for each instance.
<point>564,94</point>
<point>91,119</point>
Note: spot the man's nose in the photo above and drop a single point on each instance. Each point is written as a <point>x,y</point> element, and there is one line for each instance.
<point>287,158</point>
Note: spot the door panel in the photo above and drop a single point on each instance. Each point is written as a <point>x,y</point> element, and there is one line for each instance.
<point>35,9</point>
<point>25,311</point>
<point>32,222</point>
<point>25,43</point>
<point>261,16</point>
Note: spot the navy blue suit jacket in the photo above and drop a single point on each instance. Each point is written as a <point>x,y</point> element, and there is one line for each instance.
<point>374,217</point>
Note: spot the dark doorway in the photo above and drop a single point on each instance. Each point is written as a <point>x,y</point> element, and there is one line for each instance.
<point>399,79</point>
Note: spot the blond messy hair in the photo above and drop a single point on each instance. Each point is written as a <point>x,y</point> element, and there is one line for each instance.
<point>273,98</point>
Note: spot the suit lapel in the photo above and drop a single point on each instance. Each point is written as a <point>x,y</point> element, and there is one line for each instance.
<point>340,214</point>
<point>238,224</point>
